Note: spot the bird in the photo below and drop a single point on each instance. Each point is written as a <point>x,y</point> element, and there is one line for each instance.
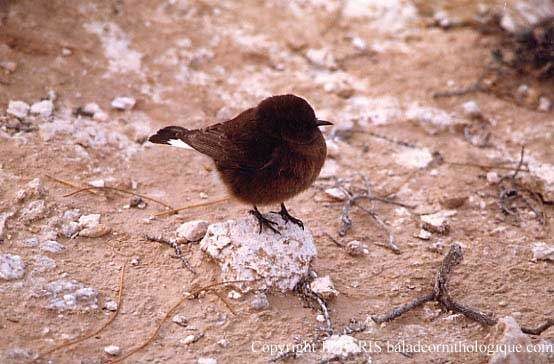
<point>265,155</point>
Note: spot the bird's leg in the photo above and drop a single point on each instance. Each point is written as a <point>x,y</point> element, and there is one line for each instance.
<point>263,221</point>
<point>287,217</point>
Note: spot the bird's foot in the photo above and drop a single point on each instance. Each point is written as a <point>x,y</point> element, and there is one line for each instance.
<point>288,217</point>
<point>264,221</point>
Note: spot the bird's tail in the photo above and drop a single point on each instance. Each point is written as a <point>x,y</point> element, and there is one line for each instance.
<point>171,135</point>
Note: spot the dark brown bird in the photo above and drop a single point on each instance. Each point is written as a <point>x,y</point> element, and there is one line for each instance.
<point>265,155</point>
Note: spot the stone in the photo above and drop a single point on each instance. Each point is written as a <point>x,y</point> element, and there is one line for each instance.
<point>438,222</point>
<point>224,343</point>
<point>30,242</point>
<point>11,267</point>
<point>423,234</point>
<point>19,109</point>
<point>43,263</point>
<point>414,158</point>
<point>68,295</point>
<point>507,334</point>
<point>71,215</point>
<point>3,218</point>
<point>91,108</point>
<point>34,188</point>
<point>70,229</point>
<point>471,109</point>
<point>322,58</point>
<point>9,66</point>
<point>542,251</point>
<point>44,108</point>
<point>259,302</point>
<point>544,104</point>
<point>279,261</point>
<point>493,178</point>
<point>193,230</point>
<point>343,346</point>
<point>95,232</point>
<point>356,248</point>
<point>110,305</point>
<point>180,320</point>
<point>35,210</point>
<point>123,103</point>
<point>112,350</point>
<point>234,295</point>
<point>336,193</point>
<point>324,287</point>
<point>52,246</point>
<point>191,339</point>
<point>89,221</point>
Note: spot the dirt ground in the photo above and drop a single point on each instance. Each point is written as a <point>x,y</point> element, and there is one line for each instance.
<point>371,66</point>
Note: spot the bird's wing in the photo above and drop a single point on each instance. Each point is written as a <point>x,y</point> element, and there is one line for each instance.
<point>237,144</point>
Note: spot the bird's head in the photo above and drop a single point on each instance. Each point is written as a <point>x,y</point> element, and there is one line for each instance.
<point>290,117</point>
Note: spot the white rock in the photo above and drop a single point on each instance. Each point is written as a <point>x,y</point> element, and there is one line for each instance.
<point>433,120</point>
<point>343,346</point>
<point>359,43</point>
<point>11,267</point>
<point>224,343</point>
<point>336,193</point>
<point>3,218</point>
<point>8,66</point>
<point>89,221</point>
<point>98,183</point>
<point>91,108</point>
<point>423,234</point>
<point>95,232</point>
<point>437,222</point>
<point>324,287</point>
<point>43,263</point>
<point>33,188</point>
<point>414,157</point>
<point>259,302</point>
<point>66,52</point>
<point>234,295</point>
<point>35,210</point>
<point>123,103</point>
<point>180,320</point>
<point>541,251</point>
<point>19,109</point>
<point>507,334</point>
<point>544,104</point>
<point>100,116</point>
<point>193,230</point>
<point>320,318</point>
<point>44,108</point>
<point>471,109</point>
<point>321,57</point>
<point>333,148</point>
<point>70,229</point>
<point>279,261</point>
<point>135,261</point>
<point>31,242</point>
<point>71,215</point>
<point>66,295</point>
<point>52,246</point>
<point>112,350</point>
<point>492,177</point>
<point>110,305</point>
<point>206,360</point>
<point>190,339</point>
<point>356,248</point>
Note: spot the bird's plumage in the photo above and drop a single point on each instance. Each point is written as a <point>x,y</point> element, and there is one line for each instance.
<point>266,154</point>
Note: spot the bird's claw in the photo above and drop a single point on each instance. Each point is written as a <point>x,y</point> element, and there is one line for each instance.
<point>288,217</point>
<point>264,222</point>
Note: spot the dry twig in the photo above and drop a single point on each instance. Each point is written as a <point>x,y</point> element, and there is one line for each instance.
<point>441,295</point>
<point>178,252</point>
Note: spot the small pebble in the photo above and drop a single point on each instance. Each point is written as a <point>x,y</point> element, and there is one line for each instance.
<point>356,248</point>
<point>544,104</point>
<point>19,109</point>
<point>110,305</point>
<point>423,234</point>
<point>30,242</point>
<point>135,261</point>
<point>66,52</point>
<point>324,287</point>
<point>112,350</point>
<point>123,103</point>
<point>95,232</point>
<point>471,109</point>
<point>193,230</point>
<point>52,246</point>
<point>11,267</point>
<point>336,193</point>
<point>492,177</point>
<point>190,339</point>
<point>224,343</point>
<point>259,302</point>
<point>44,108</point>
<point>9,66</point>
<point>320,318</point>
<point>180,320</point>
<point>100,183</point>
<point>234,295</point>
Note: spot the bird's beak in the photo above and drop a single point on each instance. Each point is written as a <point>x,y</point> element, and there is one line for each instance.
<point>323,123</point>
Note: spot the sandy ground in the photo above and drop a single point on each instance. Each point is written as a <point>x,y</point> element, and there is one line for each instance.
<point>372,64</point>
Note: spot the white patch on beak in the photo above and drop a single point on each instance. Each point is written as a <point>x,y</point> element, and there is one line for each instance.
<point>178,143</point>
